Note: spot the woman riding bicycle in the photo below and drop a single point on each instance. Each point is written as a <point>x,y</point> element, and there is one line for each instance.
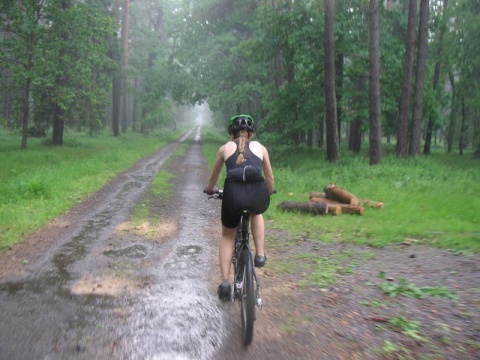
<point>245,189</point>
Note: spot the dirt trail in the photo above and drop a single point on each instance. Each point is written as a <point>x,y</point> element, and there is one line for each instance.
<point>93,285</point>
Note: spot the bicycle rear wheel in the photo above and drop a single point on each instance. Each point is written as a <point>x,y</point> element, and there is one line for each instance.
<point>247,299</point>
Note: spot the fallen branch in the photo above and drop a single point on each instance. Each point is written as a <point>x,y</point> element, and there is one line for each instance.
<point>371,203</point>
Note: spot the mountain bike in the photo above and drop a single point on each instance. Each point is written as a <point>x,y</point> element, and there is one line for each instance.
<point>246,286</point>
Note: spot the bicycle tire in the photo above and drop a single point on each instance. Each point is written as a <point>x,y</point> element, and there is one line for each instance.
<point>247,299</point>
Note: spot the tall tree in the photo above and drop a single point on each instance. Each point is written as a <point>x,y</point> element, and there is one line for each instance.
<point>125,33</point>
<point>330,98</point>
<point>21,24</point>
<point>116,78</point>
<point>416,133</point>
<point>63,36</point>
<point>374,86</point>
<point>436,76</point>
<point>404,109</point>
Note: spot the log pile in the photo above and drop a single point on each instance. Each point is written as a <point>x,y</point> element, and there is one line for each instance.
<point>334,200</point>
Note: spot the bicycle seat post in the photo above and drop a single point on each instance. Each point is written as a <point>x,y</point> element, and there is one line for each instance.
<point>245,225</point>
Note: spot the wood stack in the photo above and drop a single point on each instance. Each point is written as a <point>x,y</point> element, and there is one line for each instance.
<point>334,200</point>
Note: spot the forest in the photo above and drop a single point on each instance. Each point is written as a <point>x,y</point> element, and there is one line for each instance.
<point>312,72</point>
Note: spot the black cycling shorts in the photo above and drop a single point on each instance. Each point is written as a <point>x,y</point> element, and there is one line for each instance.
<point>240,196</point>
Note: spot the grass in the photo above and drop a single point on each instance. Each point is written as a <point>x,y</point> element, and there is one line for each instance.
<point>428,199</point>
<point>411,290</point>
<point>406,326</point>
<point>162,186</point>
<point>43,182</point>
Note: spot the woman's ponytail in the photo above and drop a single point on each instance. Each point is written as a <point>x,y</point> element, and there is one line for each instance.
<point>242,138</point>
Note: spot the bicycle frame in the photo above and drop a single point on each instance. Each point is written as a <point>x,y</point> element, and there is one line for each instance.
<point>241,245</point>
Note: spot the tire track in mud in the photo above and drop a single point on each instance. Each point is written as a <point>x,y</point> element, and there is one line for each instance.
<point>96,289</point>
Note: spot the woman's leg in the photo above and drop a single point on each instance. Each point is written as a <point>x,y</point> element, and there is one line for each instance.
<point>226,251</point>
<point>258,231</point>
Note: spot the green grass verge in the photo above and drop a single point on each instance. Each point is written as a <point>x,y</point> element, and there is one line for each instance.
<point>428,199</point>
<point>43,182</point>
<point>162,186</point>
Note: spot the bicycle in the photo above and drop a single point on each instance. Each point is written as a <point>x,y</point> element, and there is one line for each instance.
<point>246,286</point>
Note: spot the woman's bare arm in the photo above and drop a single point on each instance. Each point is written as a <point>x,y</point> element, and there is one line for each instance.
<point>267,170</point>
<point>217,167</point>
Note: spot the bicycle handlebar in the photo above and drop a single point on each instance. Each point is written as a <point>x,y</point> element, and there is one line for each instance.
<point>218,193</point>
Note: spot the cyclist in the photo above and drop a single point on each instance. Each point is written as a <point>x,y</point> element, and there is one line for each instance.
<point>248,185</point>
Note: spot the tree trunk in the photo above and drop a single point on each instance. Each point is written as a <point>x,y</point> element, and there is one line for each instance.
<point>462,140</point>
<point>309,138</point>
<point>61,82</point>
<point>374,85</point>
<point>135,104</point>
<point>339,91</point>
<point>355,133</point>
<point>451,126</point>
<point>402,134</point>
<point>330,100</point>
<point>26,93</point>
<point>57,135</point>
<point>125,26</point>
<point>25,113</point>
<point>355,137</point>
<point>419,80</point>
<point>116,81</point>
<point>476,139</point>
<point>436,79</point>
<point>321,133</point>
<point>309,207</point>
<point>116,104</point>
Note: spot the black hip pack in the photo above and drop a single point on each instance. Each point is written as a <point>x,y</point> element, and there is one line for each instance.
<point>248,173</point>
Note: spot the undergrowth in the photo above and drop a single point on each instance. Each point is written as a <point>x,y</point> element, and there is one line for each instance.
<point>43,181</point>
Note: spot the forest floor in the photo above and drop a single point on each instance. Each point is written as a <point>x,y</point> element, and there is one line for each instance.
<point>321,301</point>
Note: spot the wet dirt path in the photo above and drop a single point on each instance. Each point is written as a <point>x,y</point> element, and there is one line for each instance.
<point>97,286</point>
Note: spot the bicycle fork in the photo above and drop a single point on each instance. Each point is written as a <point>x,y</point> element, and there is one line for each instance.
<point>239,282</point>
<point>258,299</point>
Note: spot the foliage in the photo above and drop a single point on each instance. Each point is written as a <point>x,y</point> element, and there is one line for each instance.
<point>408,327</point>
<point>410,290</point>
<point>57,50</point>
<point>264,58</point>
<point>43,182</point>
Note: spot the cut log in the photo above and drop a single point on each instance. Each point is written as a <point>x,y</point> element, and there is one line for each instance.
<point>345,208</point>
<point>353,209</point>
<point>310,207</point>
<point>341,195</point>
<point>317,194</point>
<point>334,209</point>
<point>361,202</point>
<point>325,200</point>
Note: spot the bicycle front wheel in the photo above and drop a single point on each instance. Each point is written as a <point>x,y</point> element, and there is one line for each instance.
<point>247,299</point>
